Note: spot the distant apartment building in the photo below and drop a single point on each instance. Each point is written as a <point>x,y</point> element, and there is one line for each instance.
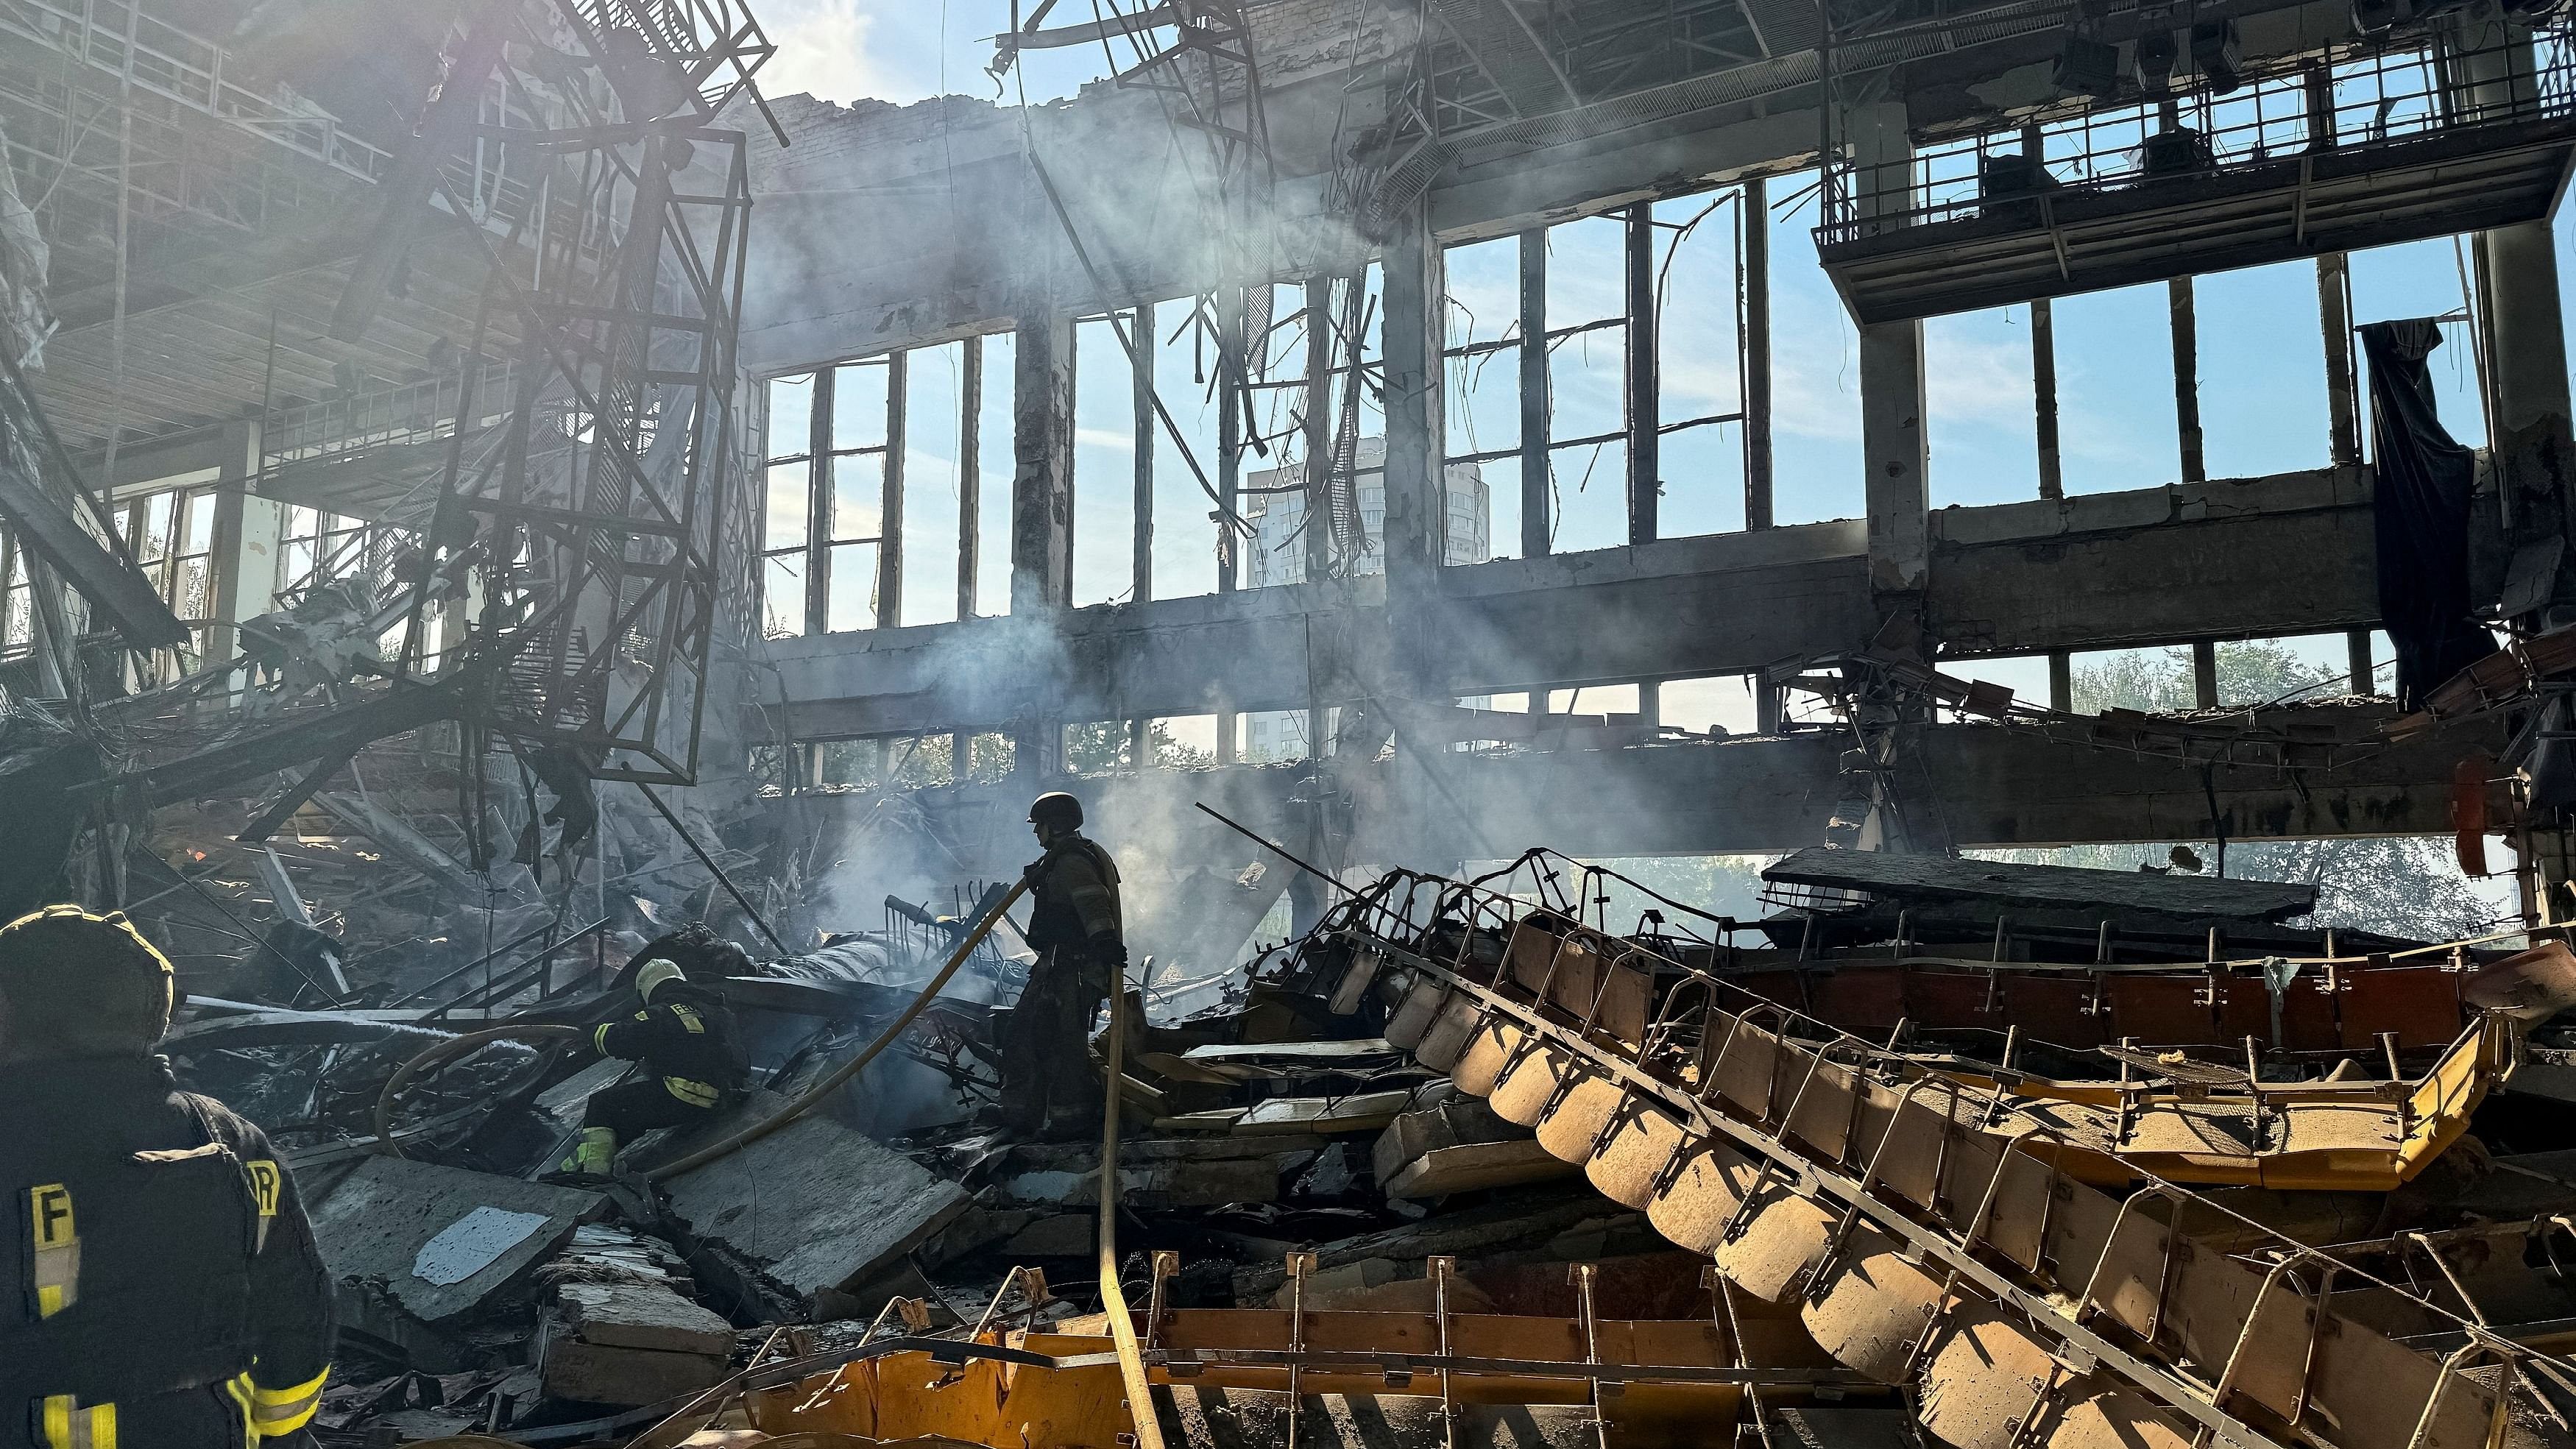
<point>1277,550</point>
<point>1276,554</point>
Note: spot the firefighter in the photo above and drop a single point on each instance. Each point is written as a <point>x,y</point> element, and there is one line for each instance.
<point>1075,927</point>
<point>164,1289</point>
<point>693,1060</point>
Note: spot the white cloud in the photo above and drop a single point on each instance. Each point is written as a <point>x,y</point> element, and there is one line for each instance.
<point>823,51</point>
<point>1977,380</point>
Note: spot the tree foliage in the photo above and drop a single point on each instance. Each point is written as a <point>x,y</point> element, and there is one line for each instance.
<point>2396,885</point>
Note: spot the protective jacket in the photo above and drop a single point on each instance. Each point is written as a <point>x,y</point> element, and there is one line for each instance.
<point>1074,896</point>
<point>164,1291</point>
<point>686,1037</point>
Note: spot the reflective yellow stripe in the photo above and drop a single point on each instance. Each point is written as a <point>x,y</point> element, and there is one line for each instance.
<point>72,1425</point>
<point>599,1038</point>
<point>237,1388</point>
<point>690,1019</point>
<point>696,1094</point>
<point>51,1232</point>
<point>283,1411</point>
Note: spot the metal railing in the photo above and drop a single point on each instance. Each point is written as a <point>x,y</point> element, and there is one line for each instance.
<point>2139,144</point>
<point>169,62</point>
<point>412,412</point>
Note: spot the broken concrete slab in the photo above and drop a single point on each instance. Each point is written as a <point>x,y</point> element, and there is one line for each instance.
<point>1169,1173</point>
<point>1359,1112</point>
<point>641,1315</point>
<point>624,1377</point>
<point>620,1331</point>
<point>810,1207</point>
<point>1213,1183</point>
<point>441,1240</point>
<point>1062,1235</point>
<point>1458,1145</point>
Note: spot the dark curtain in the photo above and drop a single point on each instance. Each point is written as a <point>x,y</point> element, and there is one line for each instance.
<point>2422,514</point>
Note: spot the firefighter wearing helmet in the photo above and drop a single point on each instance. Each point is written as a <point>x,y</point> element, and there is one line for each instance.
<point>164,1289</point>
<point>1048,1087</point>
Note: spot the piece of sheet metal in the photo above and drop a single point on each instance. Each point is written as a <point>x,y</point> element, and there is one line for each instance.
<point>472,1243</point>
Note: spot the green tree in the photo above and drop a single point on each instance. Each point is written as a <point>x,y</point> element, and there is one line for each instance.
<point>2396,885</point>
<point>1106,747</point>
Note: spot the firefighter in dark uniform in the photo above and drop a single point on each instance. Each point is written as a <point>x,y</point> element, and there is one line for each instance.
<point>693,1059</point>
<point>1075,927</point>
<point>164,1291</point>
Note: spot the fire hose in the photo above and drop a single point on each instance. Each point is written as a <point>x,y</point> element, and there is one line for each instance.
<point>814,1095</point>
<point>444,1051</point>
<point>805,1102</point>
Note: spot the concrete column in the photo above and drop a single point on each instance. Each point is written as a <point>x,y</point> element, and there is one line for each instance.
<point>1895,449</point>
<point>1538,523</point>
<point>1644,381</point>
<point>2043,397</point>
<point>1141,390</point>
<point>2492,66</point>
<point>890,511</point>
<point>1042,473</point>
<point>1895,445</point>
<point>1318,430</point>
<point>1416,496</point>
<point>1229,450</point>
<point>970,486</point>
<point>1754,264</point>
<point>247,530</point>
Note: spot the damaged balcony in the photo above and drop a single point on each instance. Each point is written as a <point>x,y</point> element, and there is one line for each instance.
<point>2396,147</point>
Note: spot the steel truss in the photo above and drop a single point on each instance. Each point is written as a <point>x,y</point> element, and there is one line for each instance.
<point>595,530</point>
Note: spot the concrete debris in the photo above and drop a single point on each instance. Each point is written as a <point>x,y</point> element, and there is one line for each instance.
<point>441,1241</point>
<point>621,1331</point>
<point>1338,1128</point>
<point>807,1210</point>
<point>1458,1145</point>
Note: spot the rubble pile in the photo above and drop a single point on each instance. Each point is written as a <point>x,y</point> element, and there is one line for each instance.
<point>1649,1178</point>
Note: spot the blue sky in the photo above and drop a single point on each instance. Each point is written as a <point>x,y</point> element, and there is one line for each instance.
<point>2262,390</point>
<point>906,50</point>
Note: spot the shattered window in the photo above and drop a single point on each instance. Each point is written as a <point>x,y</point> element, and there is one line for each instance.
<point>2115,389</point>
<point>1815,369</point>
<point>1577,282</point>
<point>1981,420</point>
<point>997,464</point>
<point>933,425</point>
<point>1717,705</point>
<point>1341,320</point>
<point>852,556</point>
<point>1104,462</point>
<point>872,492</point>
<point>894,762</point>
<point>17,598</point>
<point>1481,380</point>
<point>1101,747</point>
<point>1182,741</point>
<point>786,507</point>
<point>989,758</point>
<point>1276,736</point>
<point>1699,282</point>
<point>172,534</point>
<point>1186,376</point>
<point>1587,378</point>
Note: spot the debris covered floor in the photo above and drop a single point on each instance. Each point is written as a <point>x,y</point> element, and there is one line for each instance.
<point>497,495</point>
<point>1993,1154</point>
